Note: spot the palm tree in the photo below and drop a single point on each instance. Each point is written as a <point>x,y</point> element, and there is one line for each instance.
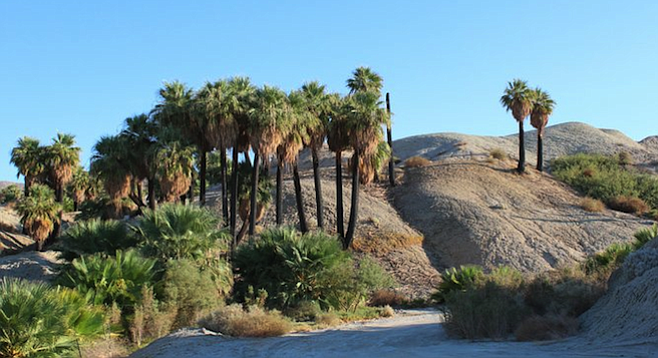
<point>109,163</point>
<point>240,99</point>
<point>518,99</point>
<point>62,158</point>
<point>364,125</point>
<point>318,103</point>
<point>78,186</point>
<point>175,163</point>
<point>338,141</point>
<point>27,156</point>
<point>268,128</point>
<point>542,108</point>
<point>365,80</point>
<point>39,213</point>
<point>140,135</point>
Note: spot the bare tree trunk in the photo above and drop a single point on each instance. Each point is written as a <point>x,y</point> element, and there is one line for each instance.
<point>254,194</point>
<point>354,210</point>
<point>339,195</point>
<point>279,192</point>
<point>540,151</point>
<point>318,188</point>
<point>303,226</point>
<point>202,178</point>
<point>225,210</point>
<point>234,194</point>
<point>521,167</point>
<point>389,137</point>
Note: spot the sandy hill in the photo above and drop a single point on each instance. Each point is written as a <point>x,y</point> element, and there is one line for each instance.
<point>476,212</point>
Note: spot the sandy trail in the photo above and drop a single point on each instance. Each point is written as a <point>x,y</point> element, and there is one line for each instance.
<point>411,334</point>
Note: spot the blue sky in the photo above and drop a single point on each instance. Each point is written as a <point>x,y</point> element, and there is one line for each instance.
<point>82,67</point>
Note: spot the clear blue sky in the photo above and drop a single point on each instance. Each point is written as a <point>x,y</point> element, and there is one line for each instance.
<point>82,67</point>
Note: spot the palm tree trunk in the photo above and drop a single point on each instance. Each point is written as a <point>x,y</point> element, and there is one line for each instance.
<point>521,167</point>
<point>339,195</point>
<point>140,195</point>
<point>234,194</point>
<point>254,194</point>
<point>59,194</point>
<point>202,178</point>
<point>27,187</point>
<point>279,192</point>
<point>303,226</point>
<point>151,193</point>
<point>222,162</point>
<point>389,137</point>
<point>540,152</point>
<point>318,188</point>
<point>354,210</point>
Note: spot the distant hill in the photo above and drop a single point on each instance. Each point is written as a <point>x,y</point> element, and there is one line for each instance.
<point>8,183</point>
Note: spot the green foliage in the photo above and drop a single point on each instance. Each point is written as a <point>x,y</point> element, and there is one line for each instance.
<point>294,268</point>
<point>608,260</point>
<point>38,321</point>
<point>457,279</point>
<point>95,236</point>
<point>606,178</point>
<point>106,280</point>
<point>180,232</point>
<point>10,194</point>
<point>39,212</point>
<point>645,235</point>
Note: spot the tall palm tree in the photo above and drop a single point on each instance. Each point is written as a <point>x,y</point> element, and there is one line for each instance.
<point>338,141</point>
<point>109,163</point>
<point>62,158</point>
<point>240,99</point>
<point>39,213</point>
<point>518,99</point>
<point>319,105</point>
<point>364,125</point>
<point>365,79</point>
<point>175,163</point>
<point>542,108</point>
<point>268,127</point>
<point>78,186</point>
<point>140,134</point>
<point>27,156</point>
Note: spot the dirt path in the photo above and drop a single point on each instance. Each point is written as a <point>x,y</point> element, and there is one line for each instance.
<point>413,333</point>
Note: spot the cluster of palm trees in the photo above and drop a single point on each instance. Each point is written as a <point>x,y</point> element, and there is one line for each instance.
<point>523,102</point>
<point>160,150</point>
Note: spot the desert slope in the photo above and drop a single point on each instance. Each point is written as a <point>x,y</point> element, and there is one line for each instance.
<point>476,212</point>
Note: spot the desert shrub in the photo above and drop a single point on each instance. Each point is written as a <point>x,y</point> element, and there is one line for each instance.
<point>543,328</point>
<point>592,205</point>
<point>180,232</point>
<point>294,268</point>
<point>328,319</point>
<point>385,243</point>
<point>384,297</point>
<point>105,347</point>
<point>631,205</point>
<point>387,311</point>
<point>107,280</point>
<point>608,260</point>
<point>625,158</point>
<point>95,236</point>
<point>190,290</point>
<point>10,194</point>
<point>39,321</point>
<point>151,319</point>
<point>254,321</point>
<point>457,279</point>
<point>484,310</point>
<point>416,162</point>
<point>605,178</point>
<point>498,154</point>
<point>304,311</point>
<point>645,235</point>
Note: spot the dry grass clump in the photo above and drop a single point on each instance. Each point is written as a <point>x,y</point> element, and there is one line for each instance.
<point>328,319</point>
<point>382,298</point>
<point>592,205</point>
<point>629,204</point>
<point>235,321</point>
<point>498,154</point>
<point>416,162</point>
<point>385,243</point>
<point>107,347</point>
<point>545,328</point>
<point>387,311</point>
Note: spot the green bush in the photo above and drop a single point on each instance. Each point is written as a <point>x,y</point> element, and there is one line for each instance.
<point>606,178</point>
<point>180,232</point>
<point>10,194</point>
<point>106,280</point>
<point>457,279</point>
<point>38,321</point>
<point>95,236</point>
<point>294,268</point>
<point>608,260</point>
